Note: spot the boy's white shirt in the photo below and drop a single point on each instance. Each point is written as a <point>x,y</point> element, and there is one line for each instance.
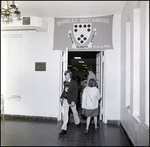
<point>69,80</point>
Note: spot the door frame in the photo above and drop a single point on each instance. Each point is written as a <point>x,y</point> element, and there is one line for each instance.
<point>63,68</point>
<point>64,62</point>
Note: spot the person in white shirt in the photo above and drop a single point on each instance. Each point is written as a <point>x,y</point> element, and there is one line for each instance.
<point>90,103</point>
<point>91,75</point>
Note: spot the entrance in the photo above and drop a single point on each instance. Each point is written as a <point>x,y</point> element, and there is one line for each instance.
<point>78,62</point>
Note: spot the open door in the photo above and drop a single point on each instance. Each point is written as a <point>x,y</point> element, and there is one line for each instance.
<point>64,67</point>
<point>100,79</point>
<point>64,63</point>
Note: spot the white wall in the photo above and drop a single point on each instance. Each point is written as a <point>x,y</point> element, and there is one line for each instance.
<point>112,75</point>
<point>136,126</point>
<point>39,90</point>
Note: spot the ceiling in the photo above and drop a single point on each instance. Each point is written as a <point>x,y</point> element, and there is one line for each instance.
<point>69,8</point>
<point>89,59</point>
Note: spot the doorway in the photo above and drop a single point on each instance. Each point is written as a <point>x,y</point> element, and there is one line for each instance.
<point>78,63</point>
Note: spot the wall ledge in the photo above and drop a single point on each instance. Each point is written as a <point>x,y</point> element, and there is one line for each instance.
<point>113,122</point>
<point>126,135</point>
<point>146,128</point>
<point>136,118</point>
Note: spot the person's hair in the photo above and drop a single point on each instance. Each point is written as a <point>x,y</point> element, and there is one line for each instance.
<point>85,76</point>
<point>83,79</point>
<point>92,83</point>
<point>90,68</point>
<point>68,71</point>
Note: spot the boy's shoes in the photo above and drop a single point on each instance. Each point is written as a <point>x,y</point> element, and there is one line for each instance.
<point>78,125</point>
<point>86,131</point>
<point>63,132</point>
<point>96,128</point>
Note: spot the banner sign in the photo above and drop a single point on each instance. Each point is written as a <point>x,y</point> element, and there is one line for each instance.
<point>83,33</point>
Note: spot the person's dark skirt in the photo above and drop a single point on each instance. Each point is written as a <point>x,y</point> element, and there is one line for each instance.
<point>90,112</point>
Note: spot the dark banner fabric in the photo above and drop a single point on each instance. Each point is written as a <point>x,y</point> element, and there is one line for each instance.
<point>94,33</point>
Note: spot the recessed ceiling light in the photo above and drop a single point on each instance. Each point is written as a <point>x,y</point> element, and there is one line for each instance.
<point>77,57</point>
<point>81,61</point>
<point>84,65</point>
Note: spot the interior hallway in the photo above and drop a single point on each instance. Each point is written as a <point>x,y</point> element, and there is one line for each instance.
<point>25,132</point>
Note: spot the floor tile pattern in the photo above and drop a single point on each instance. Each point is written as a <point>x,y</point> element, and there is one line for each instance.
<point>42,133</point>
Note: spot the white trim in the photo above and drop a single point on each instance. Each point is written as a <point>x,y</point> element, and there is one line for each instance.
<point>60,85</point>
<point>11,35</point>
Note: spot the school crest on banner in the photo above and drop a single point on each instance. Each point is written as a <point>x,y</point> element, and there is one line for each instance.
<point>83,33</point>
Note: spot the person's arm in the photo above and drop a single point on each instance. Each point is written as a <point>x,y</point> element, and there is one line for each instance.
<point>62,96</point>
<point>98,94</point>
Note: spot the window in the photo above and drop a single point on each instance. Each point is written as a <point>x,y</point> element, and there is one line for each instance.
<point>136,62</point>
<point>147,63</point>
<point>128,65</point>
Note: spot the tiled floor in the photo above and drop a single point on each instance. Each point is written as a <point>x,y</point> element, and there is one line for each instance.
<point>36,133</point>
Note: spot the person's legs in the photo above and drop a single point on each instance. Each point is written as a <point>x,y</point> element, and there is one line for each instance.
<point>65,116</point>
<point>75,115</point>
<point>95,121</point>
<point>88,122</point>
